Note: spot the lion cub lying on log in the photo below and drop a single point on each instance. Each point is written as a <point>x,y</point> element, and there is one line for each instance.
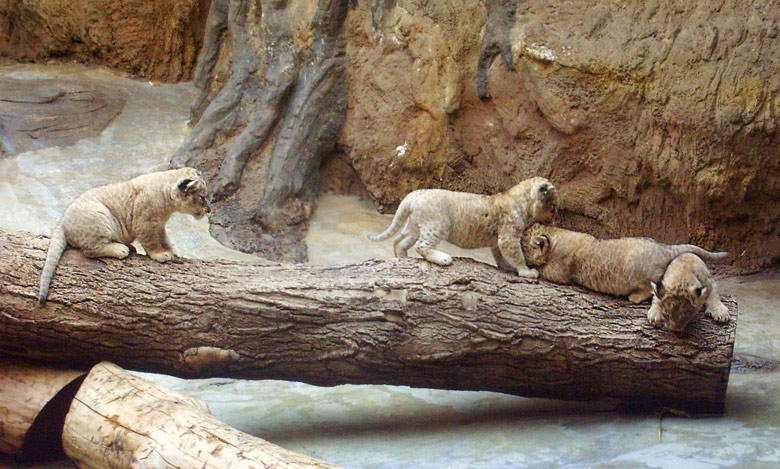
<point>472,221</point>
<point>103,221</point>
<point>621,266</point>
<point>687,286</point>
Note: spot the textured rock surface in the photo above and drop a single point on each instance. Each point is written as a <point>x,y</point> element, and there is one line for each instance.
<point>158,40</point>
<point>654,118</point>
<point>47,112</point>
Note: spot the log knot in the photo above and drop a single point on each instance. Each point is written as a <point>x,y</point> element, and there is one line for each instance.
<point>209,359</point>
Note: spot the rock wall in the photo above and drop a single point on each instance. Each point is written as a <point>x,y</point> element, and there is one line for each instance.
<point>654,118</point>
<point>154,39</point>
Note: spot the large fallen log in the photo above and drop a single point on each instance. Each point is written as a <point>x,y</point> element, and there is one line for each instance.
<point>120,420</point>
<point>404,322</point>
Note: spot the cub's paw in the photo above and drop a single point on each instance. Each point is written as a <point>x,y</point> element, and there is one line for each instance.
<point>720,313</point>
<point>654,316</point>
<point>444,260</point>
<point>121,251</point>
<point>162,256</point>
<point>438,257</point>
<point>528,273</point>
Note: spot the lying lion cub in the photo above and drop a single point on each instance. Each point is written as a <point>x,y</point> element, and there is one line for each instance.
<point>687,286</point>
<point>621,266</point>
<point>103,221</point>
<point>472,221</point>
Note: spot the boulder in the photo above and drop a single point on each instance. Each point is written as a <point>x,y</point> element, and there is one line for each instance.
<point>40,113</point>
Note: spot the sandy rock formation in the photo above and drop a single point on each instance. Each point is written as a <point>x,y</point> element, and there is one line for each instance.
<point>157,40</point>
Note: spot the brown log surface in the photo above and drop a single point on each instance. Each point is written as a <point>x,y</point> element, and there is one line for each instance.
<point>121,420</point>
<point>403,322</point>
<point>25,390</point>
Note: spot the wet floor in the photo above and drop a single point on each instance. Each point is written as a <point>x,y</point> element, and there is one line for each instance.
<point>387,426</point>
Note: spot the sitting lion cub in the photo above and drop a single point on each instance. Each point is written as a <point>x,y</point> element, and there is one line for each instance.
<point>472,221</point>
<point>102,222</point>
<point>687,286</point>
<point>621,266</point>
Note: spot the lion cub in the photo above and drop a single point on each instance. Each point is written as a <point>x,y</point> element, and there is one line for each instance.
<point>472,221</point>
<point>621,266</point>
<point>102,222</point>
<point>687,286</point>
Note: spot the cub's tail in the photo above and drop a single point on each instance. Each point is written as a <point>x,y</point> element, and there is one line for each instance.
<point>57,245</point>
<point>703,253</point>
<point>398,220</point>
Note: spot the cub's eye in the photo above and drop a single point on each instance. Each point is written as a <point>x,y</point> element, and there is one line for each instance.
<point>544,188</point>
<point>202,199</point>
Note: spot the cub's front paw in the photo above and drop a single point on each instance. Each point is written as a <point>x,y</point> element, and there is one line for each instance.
<point>720,313</point>
<point>528,273</point>
<point>654,316</point>
<point>162,256</point>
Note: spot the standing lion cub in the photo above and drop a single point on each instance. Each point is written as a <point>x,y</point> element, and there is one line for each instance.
<point>102,222</point>
<point>472,221</point>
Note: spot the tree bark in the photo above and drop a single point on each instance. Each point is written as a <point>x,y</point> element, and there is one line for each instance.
<point>283,105</point>
<point>25,391</point>
<point>120,420</point>
<point>495,41</point>
<point>404,322</point>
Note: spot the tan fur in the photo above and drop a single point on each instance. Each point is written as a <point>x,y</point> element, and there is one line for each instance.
<point>472,221</point>
<point>686,288</point>
<point>621,266</point>
<point>102,222</point>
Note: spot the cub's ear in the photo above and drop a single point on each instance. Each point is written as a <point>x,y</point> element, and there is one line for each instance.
<point>542,242</point>
<point>700,292</point>
<point>186,185</point>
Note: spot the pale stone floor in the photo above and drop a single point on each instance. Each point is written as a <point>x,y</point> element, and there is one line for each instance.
<point>398,427</point>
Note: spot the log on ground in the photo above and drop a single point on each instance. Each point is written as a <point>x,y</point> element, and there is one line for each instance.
<point>121,420</point>
<point>401,322</point>
<point>33,403</point>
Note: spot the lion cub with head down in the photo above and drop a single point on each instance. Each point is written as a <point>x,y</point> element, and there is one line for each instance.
<point>687,287</point>
<point>621,266</point>
<point>472,221</point>
<point>102,222</point>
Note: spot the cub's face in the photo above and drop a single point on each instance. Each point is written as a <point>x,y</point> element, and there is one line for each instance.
<point>192,195</point>
<point>679,304</point>
<point>536,245</point>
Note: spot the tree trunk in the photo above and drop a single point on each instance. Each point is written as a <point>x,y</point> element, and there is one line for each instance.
<point>495,41</point>
<point>120,420</point>
<point>282,106</point>
<point>25,391</point>
<point>404,322</point>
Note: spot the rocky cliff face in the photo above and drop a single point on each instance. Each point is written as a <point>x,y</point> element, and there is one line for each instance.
<point>654,118</point>
<point>157,40</point>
